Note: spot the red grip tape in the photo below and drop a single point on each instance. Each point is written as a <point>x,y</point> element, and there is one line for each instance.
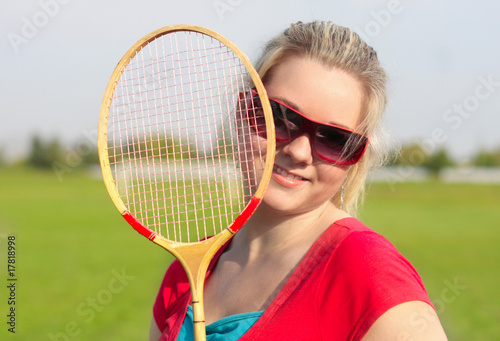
<point>138,226</point>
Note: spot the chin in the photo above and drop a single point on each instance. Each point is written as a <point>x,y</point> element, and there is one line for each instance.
<point>288,204</point>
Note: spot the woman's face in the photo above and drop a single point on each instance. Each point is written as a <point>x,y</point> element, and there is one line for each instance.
<point>301,181</point>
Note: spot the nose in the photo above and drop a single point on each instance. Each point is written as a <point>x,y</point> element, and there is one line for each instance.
<point>299,149</point>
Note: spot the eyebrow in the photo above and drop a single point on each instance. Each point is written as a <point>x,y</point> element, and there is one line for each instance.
<point>296,107</point>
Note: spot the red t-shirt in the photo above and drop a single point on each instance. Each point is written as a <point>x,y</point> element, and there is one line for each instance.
<point>347,280</point>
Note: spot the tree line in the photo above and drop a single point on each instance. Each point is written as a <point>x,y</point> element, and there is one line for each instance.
<point>46,153</point>
<point>50,153</point>
<point>416,155</point>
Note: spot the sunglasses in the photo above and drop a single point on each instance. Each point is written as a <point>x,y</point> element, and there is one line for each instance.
<point>330,142</point>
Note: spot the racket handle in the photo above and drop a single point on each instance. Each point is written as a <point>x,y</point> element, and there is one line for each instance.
<point>199,321</point>
<point>195,261</point>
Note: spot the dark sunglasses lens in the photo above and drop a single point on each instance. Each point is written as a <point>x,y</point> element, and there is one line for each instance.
<point>256,115</point>
<point>338,145</point>
<point>286,122</point>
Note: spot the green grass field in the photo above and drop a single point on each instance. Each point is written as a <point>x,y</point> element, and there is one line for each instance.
<point>84,274</point>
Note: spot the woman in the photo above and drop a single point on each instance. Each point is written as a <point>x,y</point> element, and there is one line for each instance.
<point>303,268</point>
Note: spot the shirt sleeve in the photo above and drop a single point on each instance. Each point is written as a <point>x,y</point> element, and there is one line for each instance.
<point>365,277</point>
<point>171,301</point>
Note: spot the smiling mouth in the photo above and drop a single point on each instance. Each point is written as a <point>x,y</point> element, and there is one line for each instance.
<point>287,175</point>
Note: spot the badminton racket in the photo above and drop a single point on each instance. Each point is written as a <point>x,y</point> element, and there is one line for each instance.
<point>179,156</point>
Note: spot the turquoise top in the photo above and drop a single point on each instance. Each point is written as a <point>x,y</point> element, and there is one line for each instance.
<point>226,329</point>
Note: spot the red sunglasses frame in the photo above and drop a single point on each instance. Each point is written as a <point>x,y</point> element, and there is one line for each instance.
<point>310,126</point>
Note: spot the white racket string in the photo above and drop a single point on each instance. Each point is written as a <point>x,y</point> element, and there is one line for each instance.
<point>180,154</point>
<point>176,214</point>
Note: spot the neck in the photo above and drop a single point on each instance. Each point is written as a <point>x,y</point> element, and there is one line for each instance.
<point>269,233</point>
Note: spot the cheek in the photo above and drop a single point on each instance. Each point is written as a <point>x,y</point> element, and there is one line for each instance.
<point>252,147</point>
<point>331,177</point>
<point>252,157</point>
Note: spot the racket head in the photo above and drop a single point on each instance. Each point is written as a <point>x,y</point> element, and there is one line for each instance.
<point>178,156</point>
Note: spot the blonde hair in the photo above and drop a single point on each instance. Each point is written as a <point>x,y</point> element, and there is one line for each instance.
<point>338,47</point>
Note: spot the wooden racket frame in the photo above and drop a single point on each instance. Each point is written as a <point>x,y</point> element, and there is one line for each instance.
<point>194,257</point>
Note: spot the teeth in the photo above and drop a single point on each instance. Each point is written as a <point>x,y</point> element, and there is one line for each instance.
<point>287,175</point>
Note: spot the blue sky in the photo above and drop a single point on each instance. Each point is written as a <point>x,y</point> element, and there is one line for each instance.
<point>442,58</point>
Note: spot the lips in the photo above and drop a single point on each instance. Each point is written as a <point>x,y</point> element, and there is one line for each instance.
<point>287,175</point>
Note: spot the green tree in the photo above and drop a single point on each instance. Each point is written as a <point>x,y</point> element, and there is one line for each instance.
<point>43,154</point>
<point>37,157</point>
<point>3,159</point>
<point>485,158</point>
<point>91,157</point>
<point>155,146</point>
<point>439,160</point>
<point>417,156</point>
<point>412,154</point>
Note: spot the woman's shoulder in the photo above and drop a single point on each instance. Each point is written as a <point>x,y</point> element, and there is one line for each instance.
<point>363,249</point>
<point>375,272</point>
<point>350,233</point>
<point>366,275</point>
<point>351,224</point>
